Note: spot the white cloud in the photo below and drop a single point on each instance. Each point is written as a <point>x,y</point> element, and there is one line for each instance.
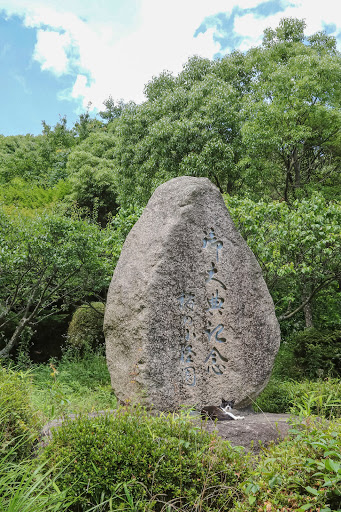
<point>115,47</point>
<point>51,51</point>
<point>252,27</point>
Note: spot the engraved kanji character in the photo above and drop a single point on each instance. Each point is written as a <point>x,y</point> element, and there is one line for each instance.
<point>212,358</point>
<point>187,320</point>
<point>212,240</point>
<point>211,272</point>
<point>187,335</point>
<point>186,300</point>
<point>215,302</point>
<point>188,376</point>
<point>186,354</point>
<point>216,331</point>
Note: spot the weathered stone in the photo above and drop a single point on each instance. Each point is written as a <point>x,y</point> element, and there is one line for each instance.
<point>189,319</point>
<point>254,431</point>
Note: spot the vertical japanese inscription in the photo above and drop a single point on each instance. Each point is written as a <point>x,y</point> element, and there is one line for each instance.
<point>187,356</point>
<point>215,360</point>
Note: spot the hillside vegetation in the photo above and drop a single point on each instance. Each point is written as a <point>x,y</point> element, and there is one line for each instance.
<point>264,127</point>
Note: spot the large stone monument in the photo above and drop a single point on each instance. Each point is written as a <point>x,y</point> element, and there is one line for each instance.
<point>189,319</point>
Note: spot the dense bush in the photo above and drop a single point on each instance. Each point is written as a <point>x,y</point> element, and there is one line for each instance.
<point>86,327</point>
<point>19,422</point>
<point>317,353</point>
<point>275,398</point>
<point>162,458</point>
<point>301,473</point>
<point>48,261</point>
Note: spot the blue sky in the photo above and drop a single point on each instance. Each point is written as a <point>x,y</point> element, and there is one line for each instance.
<point>56,57</point>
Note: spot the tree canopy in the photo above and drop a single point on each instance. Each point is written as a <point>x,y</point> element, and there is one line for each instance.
<point>263,126</point>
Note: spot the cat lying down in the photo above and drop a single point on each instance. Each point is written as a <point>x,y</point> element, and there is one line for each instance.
<point>221,413</point>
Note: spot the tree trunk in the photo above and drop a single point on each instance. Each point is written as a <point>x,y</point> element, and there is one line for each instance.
<point>15,338</point>
<point>297,168</point>
<point>308,311</point>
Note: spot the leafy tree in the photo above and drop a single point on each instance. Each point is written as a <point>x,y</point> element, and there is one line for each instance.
<point>55,146</point>
<point>92,176</point>
<point>266,122</point>
<point>293,115</point>
<point>298,247</point>
<point>159,85</point>
<point>86,125</point>
<point>41,159</point>
<point>20,156</point>
<point>22,194</point>
<point>47,262</point>
<point>112,111</point>
<point>190,126</point>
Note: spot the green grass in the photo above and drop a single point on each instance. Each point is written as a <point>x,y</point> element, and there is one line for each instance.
<point>321,397</point>
<point>73,385</point>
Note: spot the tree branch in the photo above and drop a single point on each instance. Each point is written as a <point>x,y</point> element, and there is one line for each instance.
<point>288,315</point>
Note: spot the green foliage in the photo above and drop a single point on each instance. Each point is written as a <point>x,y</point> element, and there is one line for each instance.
<point>289,391</point>
<point>317,353</point>
<point>190,126</point>
<point>301,473</point>
<point>298,247</point>
<point>26,487</point>
<point>24,195</point>
<point>321,397</point>
<point>46,262</point>
<point>111,111</point>
<point>86,327</point>
<point>92,176</point>
<point>73,385</point>
<point>119,228</point>
<point>292,113</point>
<point>20,157</point>
<point>55,146</point>
<point>276,398</point>
<point>167,457</point>
<point>19,423</point>
<point>266,122</point>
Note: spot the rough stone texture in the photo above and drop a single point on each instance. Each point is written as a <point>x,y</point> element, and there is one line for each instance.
<point>189,319</point>
<point>254,431</point>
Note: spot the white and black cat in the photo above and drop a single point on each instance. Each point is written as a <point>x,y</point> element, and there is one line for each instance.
<point>221,413</point>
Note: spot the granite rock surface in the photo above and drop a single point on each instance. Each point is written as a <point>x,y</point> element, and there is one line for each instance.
<point>189,319</point>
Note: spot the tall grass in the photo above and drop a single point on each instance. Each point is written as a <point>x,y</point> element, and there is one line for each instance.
<point>73,385</point>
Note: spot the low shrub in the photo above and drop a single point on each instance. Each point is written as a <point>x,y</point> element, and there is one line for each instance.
<point>301,473</point>
<point>320,397</point>
<point>153,460</point>
<point>86,327</point>
<point>19,423</point>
